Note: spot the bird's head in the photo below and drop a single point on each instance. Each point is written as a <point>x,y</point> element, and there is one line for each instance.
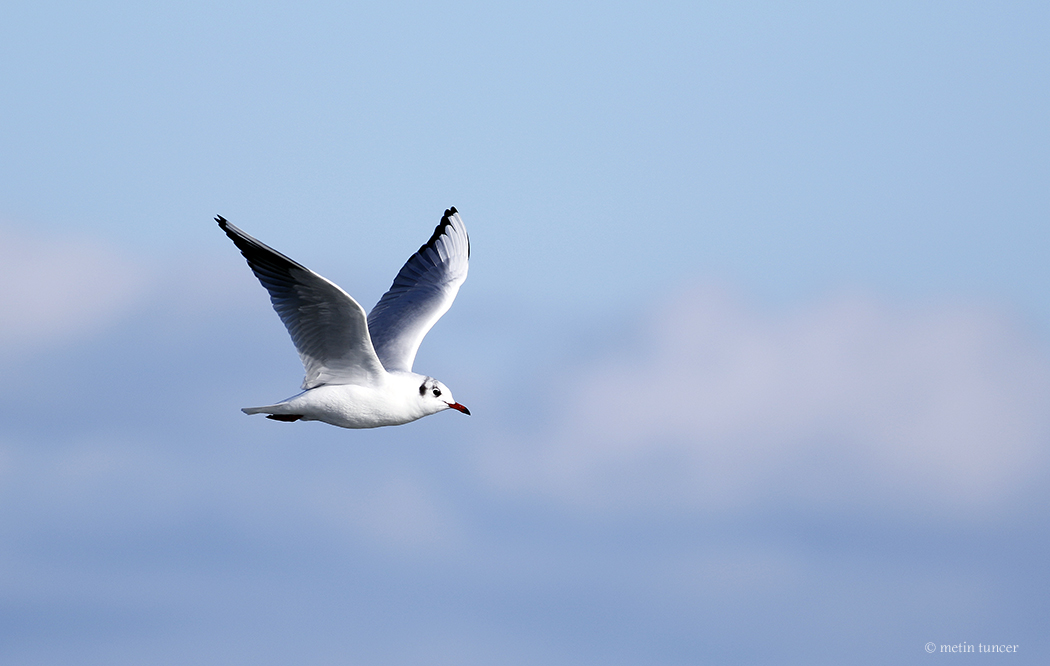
<point>437,396</point>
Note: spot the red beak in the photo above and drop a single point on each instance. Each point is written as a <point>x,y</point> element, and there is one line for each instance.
<point>456,405</point>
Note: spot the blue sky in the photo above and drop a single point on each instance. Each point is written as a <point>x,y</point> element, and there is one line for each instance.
<point>755,336</point>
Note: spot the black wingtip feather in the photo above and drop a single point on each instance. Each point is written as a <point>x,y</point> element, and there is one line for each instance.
<point>260,256</point>
<point>446,220</point>
<point>287,418</point>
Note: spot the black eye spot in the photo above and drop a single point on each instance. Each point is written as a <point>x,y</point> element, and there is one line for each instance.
<point>422,390</point>
<point>437,393</point>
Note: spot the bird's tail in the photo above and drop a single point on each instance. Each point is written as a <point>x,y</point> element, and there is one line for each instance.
<point>266,409</point>
<point>278,412</point>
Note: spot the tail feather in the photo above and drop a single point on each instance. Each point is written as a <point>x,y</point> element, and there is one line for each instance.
<point>278,412</point>
<point>265,409</point>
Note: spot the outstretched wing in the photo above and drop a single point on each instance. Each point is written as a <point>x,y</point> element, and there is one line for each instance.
<point>421,293</point>
<point>328,327</point>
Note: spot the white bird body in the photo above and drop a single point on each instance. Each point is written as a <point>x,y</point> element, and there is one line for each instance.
<point>351,406</point>
<point>358,368</point>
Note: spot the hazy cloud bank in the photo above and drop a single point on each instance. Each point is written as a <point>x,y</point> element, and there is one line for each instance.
<point>845,404</point>
<point>179,511</point>
<point>52,290</point>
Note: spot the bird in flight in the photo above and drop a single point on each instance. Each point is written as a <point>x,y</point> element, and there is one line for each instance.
<point>358,368</point>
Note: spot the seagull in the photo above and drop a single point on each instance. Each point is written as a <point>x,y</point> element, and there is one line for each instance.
<point>358,368</point>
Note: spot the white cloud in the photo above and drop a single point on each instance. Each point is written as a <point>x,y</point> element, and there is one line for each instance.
<point>55,289</point>
<point>848,403</point>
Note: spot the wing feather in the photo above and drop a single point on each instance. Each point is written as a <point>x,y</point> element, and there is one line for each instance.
<point>422,291</point>
<point>328,327</point>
